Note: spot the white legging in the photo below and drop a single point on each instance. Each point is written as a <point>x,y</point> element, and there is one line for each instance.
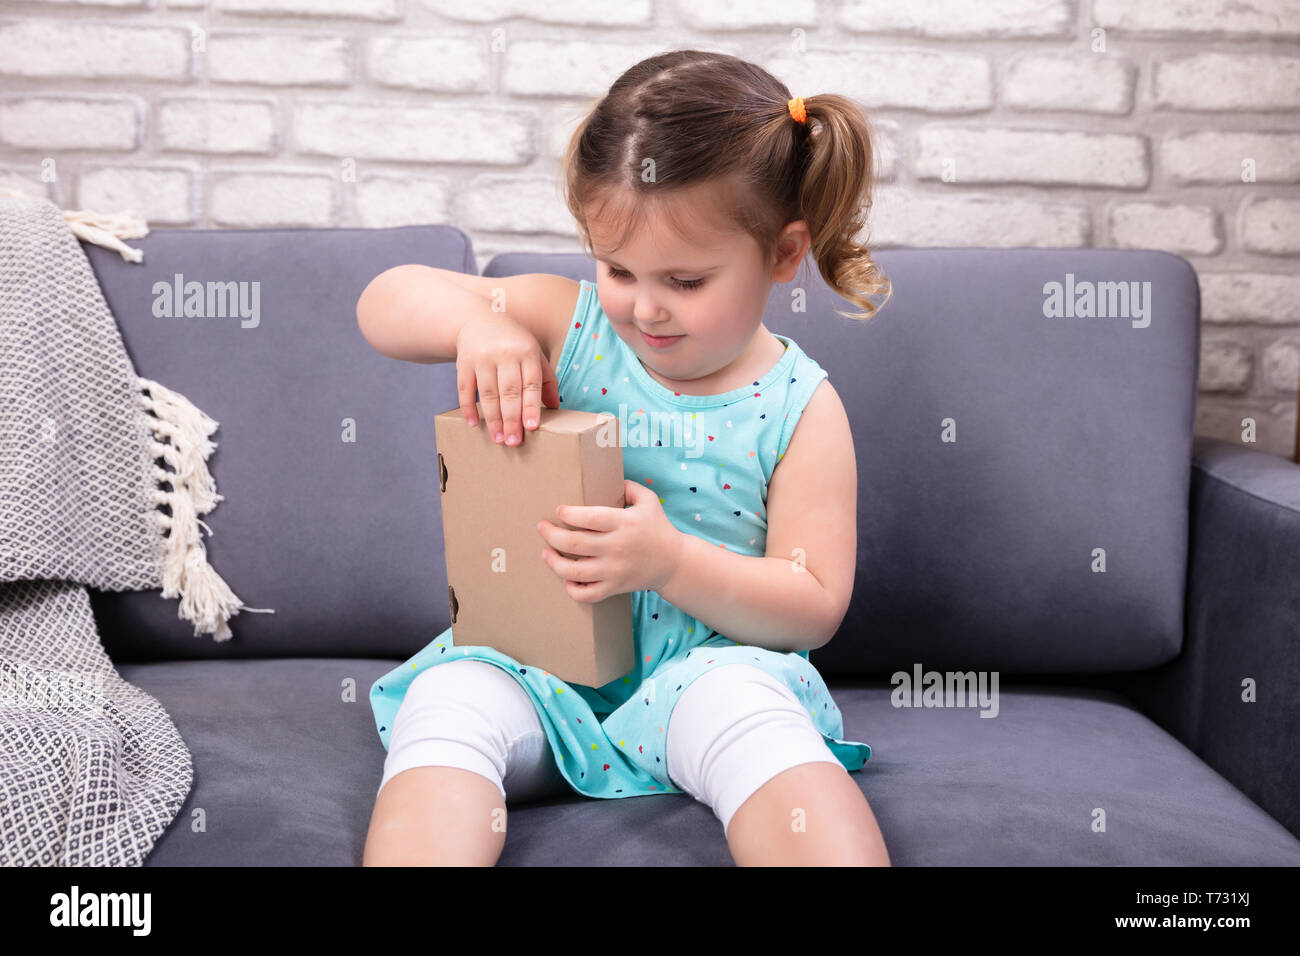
<point>732,730</point>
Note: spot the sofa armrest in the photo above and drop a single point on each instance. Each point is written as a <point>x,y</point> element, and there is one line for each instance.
<point>1242,623</point>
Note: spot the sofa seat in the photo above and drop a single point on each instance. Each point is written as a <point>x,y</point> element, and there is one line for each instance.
<point>286,771</point>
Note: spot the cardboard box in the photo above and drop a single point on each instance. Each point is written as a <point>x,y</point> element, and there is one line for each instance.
<point>501,592</point>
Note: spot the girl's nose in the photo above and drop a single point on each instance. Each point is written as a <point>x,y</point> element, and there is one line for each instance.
<point>646,311</point>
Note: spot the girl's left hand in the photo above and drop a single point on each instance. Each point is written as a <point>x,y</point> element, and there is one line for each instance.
<point>620,549</point>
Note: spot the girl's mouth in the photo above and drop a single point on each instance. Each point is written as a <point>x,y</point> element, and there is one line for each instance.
<point>661,341</point>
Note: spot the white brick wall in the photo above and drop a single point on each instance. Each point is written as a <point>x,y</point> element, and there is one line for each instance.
<point>1167,124</point>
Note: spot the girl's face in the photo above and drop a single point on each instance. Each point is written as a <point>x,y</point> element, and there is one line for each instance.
<point>708,290</point>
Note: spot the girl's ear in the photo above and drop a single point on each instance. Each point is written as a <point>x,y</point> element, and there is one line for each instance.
<point>792,245</point>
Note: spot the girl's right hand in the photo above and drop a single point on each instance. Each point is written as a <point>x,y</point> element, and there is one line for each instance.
<point>504,362</point>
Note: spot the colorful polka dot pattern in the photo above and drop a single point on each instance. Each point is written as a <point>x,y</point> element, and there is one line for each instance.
<point>611,741</point>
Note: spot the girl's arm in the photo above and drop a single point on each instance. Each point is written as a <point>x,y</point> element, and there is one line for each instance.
<point>415,312</point>
<point>812,523</point>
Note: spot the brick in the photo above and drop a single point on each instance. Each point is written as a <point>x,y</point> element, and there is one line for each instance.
<point>416,134</point>
<point>1265,297</point>
<point>121,4</point>
<point>89,50</point>
<point>1211,19</point>
<point>568,68</point>
<point>161,195</point>
<point>888,136</point>
<point>1034,156</point>
<point>1281,365</point>
<point>450,64</point>
<point>514,204</point>
<point>1271,226</point>
<point>1220,157</point>
<point>752,15</point>
<point>946,19</point>
<point>1225,81</point>
<point>58,122</point>
<point>595,13</point>
<point>278,60</point>
<point>217,126</point>
<point>1082,83</point>
<point>1175,227</point>
<point>899,219</point>
<point>887,78</point>
<point>27,183</point>
<point>261,200</point>
<point>383,201</point>
<point>352,9</point>
<point>560,125</point>
<point>1226,366</point>
<point>1221,417</point>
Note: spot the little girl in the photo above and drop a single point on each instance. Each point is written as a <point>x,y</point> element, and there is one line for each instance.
<point>696,182</point>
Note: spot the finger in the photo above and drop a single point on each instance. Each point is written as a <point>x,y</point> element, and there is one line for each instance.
<point>586,593</point>
<point>581,543</point>
<point>465,389</point>
<point>570,569</point>
<point>508,389</point>
<point>591,517</point>
<point>632,492</point>
<point>550,387</point>
<point>532,392</point>
<point>487,391</point>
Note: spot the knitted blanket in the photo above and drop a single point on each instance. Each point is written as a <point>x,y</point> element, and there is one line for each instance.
<point>92,769</point>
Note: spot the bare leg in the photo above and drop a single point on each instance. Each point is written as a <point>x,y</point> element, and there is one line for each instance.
<point>437,816</point>
<point>809,815</point>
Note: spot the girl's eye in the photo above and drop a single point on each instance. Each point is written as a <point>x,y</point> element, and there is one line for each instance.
<point>677,283</point>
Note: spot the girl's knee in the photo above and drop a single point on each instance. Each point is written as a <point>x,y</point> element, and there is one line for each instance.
<point>726,695</point>
<point>463,713</point>
<point>735,715</point>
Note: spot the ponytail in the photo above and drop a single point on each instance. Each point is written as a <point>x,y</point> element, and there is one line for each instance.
<point>835,196</point>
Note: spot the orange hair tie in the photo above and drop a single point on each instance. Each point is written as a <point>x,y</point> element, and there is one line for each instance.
<point>795,106</point>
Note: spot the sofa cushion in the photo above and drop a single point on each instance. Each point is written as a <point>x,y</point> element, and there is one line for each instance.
<point>325,454</point>
<point>286,771</point>
<point>1072,436</point>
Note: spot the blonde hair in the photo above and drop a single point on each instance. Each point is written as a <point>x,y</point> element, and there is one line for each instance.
<point>699,117</point>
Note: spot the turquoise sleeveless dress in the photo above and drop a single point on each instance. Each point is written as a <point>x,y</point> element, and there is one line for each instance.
<point>609,741</point>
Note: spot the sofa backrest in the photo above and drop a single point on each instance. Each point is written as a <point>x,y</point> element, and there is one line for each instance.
<point>1006,456</point>
<point>1072,434</point>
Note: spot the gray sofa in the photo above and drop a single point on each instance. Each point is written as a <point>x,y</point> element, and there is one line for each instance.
<point>1120,691</point>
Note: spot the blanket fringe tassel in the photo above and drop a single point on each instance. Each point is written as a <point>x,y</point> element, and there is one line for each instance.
<point>181,431</point>
<point>101,228</point>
